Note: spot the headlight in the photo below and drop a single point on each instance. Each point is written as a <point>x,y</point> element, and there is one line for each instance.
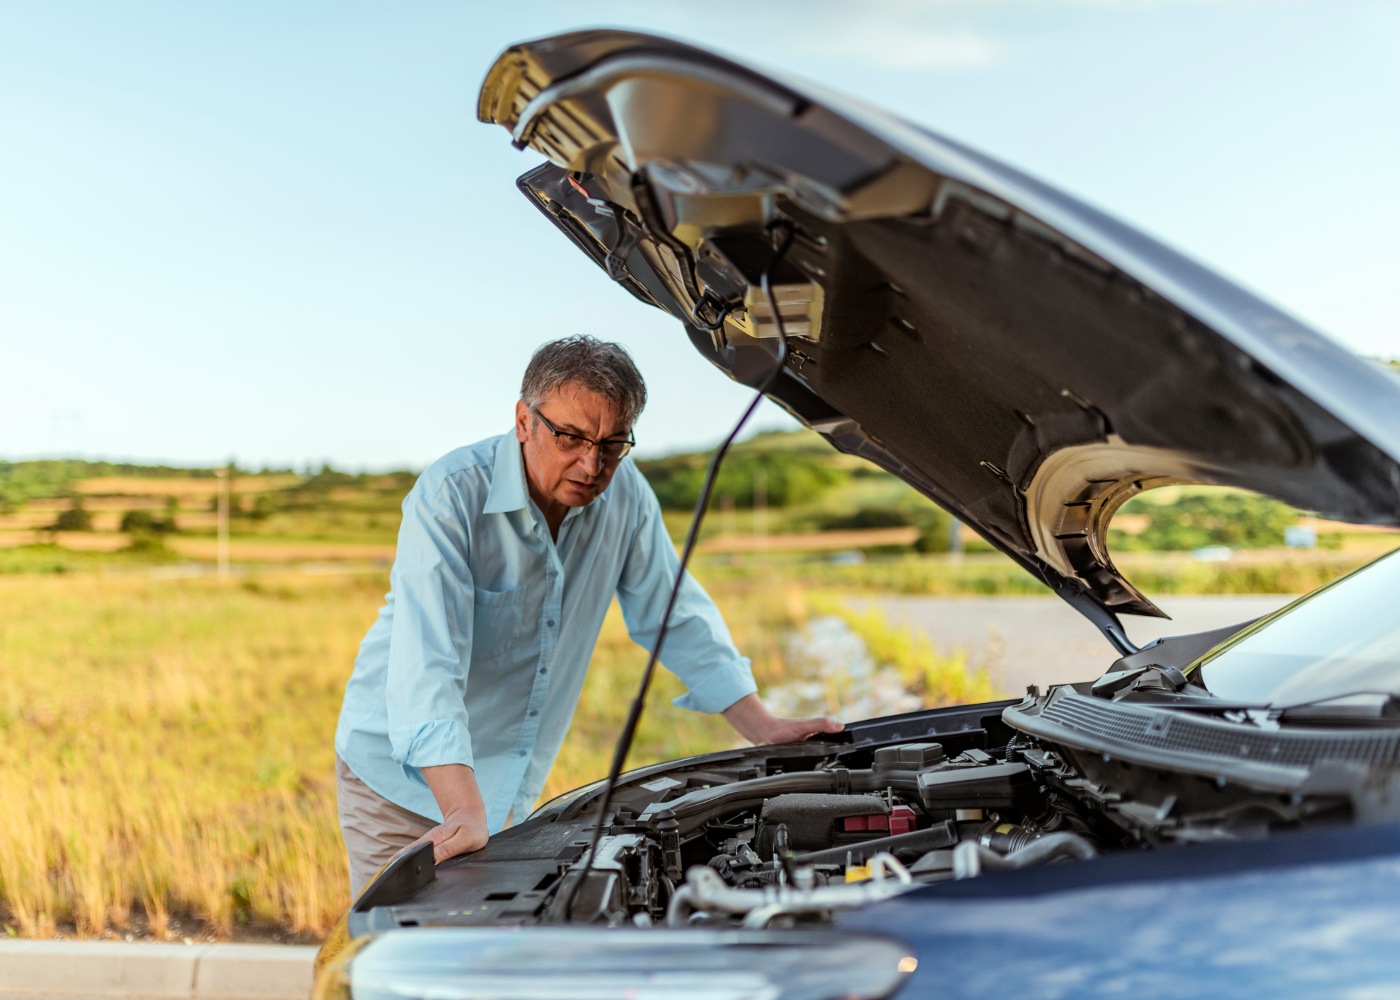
<point>618,964</point>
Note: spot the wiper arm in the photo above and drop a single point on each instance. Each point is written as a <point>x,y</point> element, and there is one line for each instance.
<point>1366,708</point>
<point>1203,702</point>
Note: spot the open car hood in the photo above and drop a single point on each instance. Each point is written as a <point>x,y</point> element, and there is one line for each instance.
<point>1024,360</point>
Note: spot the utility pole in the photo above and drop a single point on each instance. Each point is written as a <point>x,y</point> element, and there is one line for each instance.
<point>760,508</point>
<point>224,474</point>
<point>955,545</point>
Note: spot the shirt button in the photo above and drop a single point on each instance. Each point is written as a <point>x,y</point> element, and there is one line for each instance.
<point>534,712</point>
<point>550,623</point>
<point>521,753</point>
<point>544,670</point>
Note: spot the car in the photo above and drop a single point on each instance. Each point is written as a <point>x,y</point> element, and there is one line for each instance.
<point>1210,814</point>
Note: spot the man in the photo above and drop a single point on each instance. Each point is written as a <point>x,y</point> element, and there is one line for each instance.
<point>509,554</point>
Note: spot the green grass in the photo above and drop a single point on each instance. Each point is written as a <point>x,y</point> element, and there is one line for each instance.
<point>51,559</point>
<point>991,575</point>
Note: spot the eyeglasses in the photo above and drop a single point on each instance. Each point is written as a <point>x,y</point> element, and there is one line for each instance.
<point>609,449</point>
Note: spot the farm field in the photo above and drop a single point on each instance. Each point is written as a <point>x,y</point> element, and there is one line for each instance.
<point>165,739</point>
<point>165,734</point>
<point>165,744</point>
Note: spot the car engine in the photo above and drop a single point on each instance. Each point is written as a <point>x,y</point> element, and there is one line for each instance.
<point>791,836</point>
<point>796,838</point>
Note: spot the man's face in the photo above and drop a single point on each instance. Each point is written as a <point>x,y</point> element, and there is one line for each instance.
<point>557,476</point>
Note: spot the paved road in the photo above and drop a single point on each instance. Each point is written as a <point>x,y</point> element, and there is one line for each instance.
<point>1042,640</point>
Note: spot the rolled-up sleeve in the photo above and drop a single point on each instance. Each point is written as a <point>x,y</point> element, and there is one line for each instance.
<point>698,647</point>
<point>430,644</point>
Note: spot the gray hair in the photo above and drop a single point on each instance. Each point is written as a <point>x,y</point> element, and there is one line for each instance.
<point>596,365</point>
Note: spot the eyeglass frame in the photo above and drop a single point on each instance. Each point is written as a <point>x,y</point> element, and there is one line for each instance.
<point>627,445</point>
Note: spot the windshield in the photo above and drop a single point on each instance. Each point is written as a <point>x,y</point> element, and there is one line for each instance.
<point>1343,639</point>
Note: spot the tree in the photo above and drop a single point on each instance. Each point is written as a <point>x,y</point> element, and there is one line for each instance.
<point>935,529</point>
<point>136,522</point>
<point>789,477</point>
<point>1214,517</point>
<point>75,518</point>
<point>262,508</point>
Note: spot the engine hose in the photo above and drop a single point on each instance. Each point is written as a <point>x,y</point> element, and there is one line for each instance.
<point>1008,840</point>
<point>724,864</point>
<point>971,859</point>
<point>705,891</point>
<point>940,835</point>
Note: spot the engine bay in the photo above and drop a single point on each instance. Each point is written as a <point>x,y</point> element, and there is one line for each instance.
<point>819,841</point>
<point>791,836</point>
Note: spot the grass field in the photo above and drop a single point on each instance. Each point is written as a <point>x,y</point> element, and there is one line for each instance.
<point>165,753</point>
<point>165,744</point>
<point>165,737</point>
<point>988,575</point>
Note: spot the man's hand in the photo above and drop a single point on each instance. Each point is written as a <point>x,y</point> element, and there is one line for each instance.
<point>752,720</point>
<point>460,833</point>
<point>463,827</point>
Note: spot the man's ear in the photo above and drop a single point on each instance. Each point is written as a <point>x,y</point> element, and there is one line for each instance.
<point>522,421</point>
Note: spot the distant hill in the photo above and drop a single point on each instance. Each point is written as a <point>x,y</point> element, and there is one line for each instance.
<point>780,484</point>
<point>806,484</point>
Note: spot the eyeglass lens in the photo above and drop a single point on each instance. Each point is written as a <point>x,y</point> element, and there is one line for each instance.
<point>609,448</point>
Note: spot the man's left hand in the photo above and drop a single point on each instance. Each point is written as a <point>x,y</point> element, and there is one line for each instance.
<point>752,720</point>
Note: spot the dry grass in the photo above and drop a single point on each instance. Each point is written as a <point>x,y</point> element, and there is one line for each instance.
<point>165,751</point>
<point>937,678</point>
<point>88,541</point>
<point>185,488</point>
<point>165,744</point>
<point>254,550</point>
<point>816,541</point>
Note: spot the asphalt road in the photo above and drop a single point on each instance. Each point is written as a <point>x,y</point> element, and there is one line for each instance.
<point>1042,640</point>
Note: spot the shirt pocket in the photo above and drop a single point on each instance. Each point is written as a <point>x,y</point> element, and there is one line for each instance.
<point>497,623</point>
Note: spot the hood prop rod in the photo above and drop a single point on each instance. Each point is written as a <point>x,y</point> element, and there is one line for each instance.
<point>782,240</point>
<point>1113,631</point>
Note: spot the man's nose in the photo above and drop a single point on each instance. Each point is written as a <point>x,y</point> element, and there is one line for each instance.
<point>593,460</point>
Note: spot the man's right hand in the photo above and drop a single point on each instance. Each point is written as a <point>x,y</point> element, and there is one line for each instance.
<point>463,827</point>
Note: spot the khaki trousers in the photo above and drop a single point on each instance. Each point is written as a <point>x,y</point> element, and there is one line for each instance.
<point>375,829</point>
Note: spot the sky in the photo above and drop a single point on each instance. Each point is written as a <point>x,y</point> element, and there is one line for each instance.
<point>274,231</point>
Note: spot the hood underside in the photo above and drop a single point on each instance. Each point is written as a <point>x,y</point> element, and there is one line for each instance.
<point>1027,362</point>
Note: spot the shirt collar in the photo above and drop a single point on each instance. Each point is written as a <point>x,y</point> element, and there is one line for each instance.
<point>508,490</point>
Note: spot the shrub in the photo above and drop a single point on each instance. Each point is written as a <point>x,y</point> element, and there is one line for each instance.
<point>1216,517</point>
<point>143,522</point>
<point>785,478</point>
<point>147,543</point>
<point>75,518</point>
<point>935,530</point>
<point>865,517</point>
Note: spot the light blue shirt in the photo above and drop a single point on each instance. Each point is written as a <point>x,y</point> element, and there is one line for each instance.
<point>480,650</point>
